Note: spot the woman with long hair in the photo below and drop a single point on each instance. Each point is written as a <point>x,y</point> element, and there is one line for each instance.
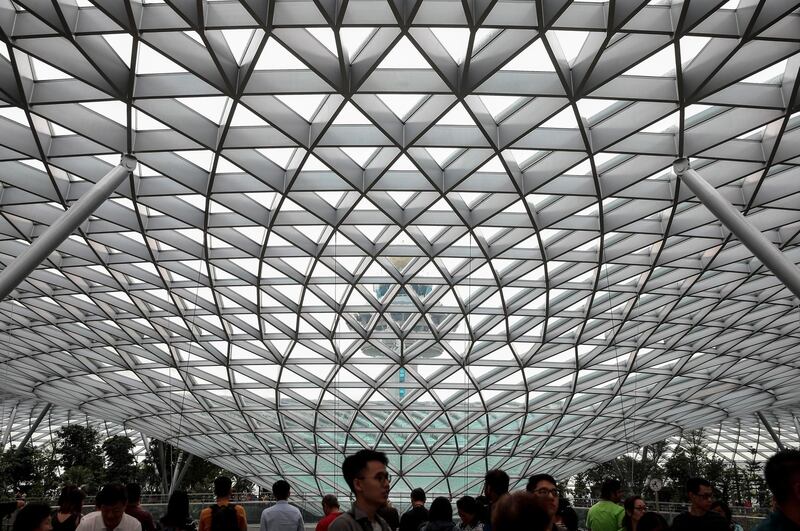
<point>635,507</point>
<point>70,505</point>
<point>33,517</point>
<point>177,517</point>
<point>440,516</point>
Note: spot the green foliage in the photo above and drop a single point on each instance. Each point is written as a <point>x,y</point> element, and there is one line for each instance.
<point>29,469</point>
<point>120,461</point>
<point>80,457</point>
<point>78,452</point>
<point>691,458</point>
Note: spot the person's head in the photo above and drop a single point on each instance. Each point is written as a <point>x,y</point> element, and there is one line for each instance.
<point>635,507</point>
<point>280,489</point>
<point>468,510</point>
<point>611,490</point>
<point>441,510</point>
<point>71,499</point>
<point>330,504</point>
<point>33,517</point>
<point>134,491</point>
<point>544,489</point>
<point>495,484</point>
<point>519,511</point>
<point>723,509</point>
<point>782,473</point>
<point>223,486</point>
<point>568,516</point>
<point>111,500</point>
<point>418,496</point>
<point>701,494</point>
<point>652,521</point>
<point>177,508</point>
<point>366,475</point>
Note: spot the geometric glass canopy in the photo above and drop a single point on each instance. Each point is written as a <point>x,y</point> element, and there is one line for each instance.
<point>449,231</point>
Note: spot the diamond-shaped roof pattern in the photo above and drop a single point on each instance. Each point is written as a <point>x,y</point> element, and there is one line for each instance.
<point>448,230</point>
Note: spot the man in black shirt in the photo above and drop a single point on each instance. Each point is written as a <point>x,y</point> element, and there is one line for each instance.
<point>412,518</point>
<point>699,517</point>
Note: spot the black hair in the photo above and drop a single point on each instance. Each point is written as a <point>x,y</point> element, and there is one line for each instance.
<point>418,494</point>
<point>441,510</point>
<point>223,486</point>
<point>134,491</point>
<point>329,500</point>
<point>71,499</point>
<point>725,509</point>
<point>31,516</point>
<point>468,504</point>
<point>652,521</point>
<point>536,478</point>
<point>780,471</point>
<point>609,487</point>
<point>354,464</point>
<point>568,515</point>
<point>280,489</point>
<point>693,484</point>
<point>630,506</point>
<point>177,509</point>
<point>498,480</point>
<point>111,494</point>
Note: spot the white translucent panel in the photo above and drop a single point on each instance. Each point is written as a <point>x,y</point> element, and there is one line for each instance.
<point>454,40</point>
<point>534,58</point>
<point>401,104</point>
<point>404,55</point>
<point>326,37</point>
<point>150,61</point>
<point>275,57</point>
<point>571,42</point>
<point>122,44</point>
<point>238,40</point>
<point>659,64</point>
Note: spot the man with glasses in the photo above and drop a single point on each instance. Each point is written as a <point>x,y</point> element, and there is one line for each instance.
<point>544,489</point>
<point>607,514</point>
<point>699,517</point>
<point>366,475</point>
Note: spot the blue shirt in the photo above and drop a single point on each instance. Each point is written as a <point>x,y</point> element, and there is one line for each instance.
<point>282,517</point>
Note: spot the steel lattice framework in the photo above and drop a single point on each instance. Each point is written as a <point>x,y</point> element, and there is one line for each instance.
<point>448,230</point>
<point>18,414</point>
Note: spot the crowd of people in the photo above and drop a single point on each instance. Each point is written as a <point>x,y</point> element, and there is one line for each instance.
<point>540,507</point>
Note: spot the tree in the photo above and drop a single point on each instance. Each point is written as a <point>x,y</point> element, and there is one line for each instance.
<point>28,469</point>
<point>120,461</point>
<point>78,447</point>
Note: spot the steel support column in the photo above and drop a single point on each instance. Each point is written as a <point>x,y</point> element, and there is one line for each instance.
<point>771,431</point>
<point>38,251</point>
<point>35,425</point>
<point>182,474</point>
<point>7,432</point>
<point>751,237</point>
<point>175,472</point>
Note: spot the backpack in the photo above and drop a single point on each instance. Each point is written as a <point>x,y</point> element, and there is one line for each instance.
<point>223,518</point>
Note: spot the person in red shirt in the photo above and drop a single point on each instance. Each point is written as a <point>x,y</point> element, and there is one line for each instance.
<point>330,506</point>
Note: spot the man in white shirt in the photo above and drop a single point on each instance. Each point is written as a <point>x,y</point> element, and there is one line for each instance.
<point>111,500</point>
<point>281,516</point>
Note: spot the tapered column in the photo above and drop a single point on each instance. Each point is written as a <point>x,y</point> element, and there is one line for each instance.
<point>752,238</point>
<point>38,251</point>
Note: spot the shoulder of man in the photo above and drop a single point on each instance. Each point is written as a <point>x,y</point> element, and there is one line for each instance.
<point>343,522</point>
